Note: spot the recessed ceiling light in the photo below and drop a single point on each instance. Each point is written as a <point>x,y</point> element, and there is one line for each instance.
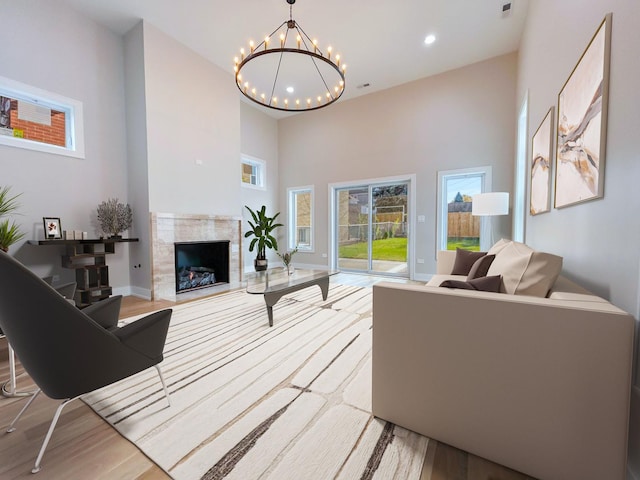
<point>290,89</point>
<point>430,39</point>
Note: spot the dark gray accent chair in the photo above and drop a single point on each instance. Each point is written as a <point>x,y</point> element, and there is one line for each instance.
<point>68,291</point>
<point>69,352</point>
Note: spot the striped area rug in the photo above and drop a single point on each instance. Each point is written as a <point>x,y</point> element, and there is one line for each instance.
<point>288,402</point>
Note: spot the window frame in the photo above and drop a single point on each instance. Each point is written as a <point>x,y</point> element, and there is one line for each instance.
<point>292,227</point>
<point>442,206</point>
<point>261,174</point>
<point>74,128</point>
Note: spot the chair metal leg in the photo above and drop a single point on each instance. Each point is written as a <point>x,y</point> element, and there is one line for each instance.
<point>9,388</point>
<point>12,427</point>
<point>164,385</point>
<point>36,467</point>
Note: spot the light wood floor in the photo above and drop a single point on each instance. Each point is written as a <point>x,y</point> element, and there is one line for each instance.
<point>84,446</point>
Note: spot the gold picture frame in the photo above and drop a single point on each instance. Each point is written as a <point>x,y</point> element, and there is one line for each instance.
<point>582,123</point>
<point>541,161</point>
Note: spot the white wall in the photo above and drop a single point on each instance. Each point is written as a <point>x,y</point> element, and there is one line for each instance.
<point>53,48</point>
<point>556,35</point>
<point>259,139</point>
<point>598,239</point>
<point>459,119</point>
<point>193,130</point>
<point>137,165</point>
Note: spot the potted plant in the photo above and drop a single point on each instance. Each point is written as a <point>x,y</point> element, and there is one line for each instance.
<point>114,217</point>
<point>9,232</point>
<point>261,228</point>
<point>287,258</point>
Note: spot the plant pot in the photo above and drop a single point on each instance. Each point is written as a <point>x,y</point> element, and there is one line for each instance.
<point>260,264</point>
<point>115,237</point>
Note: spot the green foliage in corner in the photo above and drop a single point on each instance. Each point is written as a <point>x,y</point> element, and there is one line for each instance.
<point>9,231</point>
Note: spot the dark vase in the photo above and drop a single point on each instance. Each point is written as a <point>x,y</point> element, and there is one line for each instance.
<point>115,237</point>
<point>260,264</point>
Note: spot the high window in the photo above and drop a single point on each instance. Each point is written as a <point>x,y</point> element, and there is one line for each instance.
<point>457,227</point>
<point>39,120</point>
<point>253,172</point>
<point>521,172</point>
<point>300,225</point>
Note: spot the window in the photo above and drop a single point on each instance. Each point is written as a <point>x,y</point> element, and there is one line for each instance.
<point>253,172</point>
<point>301,218</point>
<point>456,226</point>
<point>39,120</point>
<point>521,172</point>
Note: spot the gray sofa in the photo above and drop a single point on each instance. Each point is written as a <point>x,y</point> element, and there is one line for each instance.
<point>539,384</point>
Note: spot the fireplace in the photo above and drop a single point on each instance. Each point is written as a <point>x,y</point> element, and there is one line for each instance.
<point>201,264</point>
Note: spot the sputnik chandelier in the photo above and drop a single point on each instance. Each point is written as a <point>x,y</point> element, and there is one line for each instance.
<point>287,71</point>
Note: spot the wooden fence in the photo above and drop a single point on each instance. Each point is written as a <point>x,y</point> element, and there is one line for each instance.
<point>463,224</point>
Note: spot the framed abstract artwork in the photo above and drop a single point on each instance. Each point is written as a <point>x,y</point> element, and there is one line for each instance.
<point>541,156</point>
<point>582,123</point>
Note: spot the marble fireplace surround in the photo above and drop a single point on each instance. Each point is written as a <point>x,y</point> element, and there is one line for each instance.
<point>168,228</point>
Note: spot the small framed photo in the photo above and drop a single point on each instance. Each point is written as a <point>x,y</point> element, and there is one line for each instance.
<point>52,228</point>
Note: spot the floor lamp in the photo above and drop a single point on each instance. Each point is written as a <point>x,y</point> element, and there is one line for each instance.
<point>488,205</point>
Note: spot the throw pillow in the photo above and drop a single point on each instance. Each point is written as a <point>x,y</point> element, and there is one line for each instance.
<point>542,272</point>
<point>525,271</point>
<point>511,262</point>
<point>498,246</point>
<point>482,284</point>
<point>480,267</point>
<point>465,260</point>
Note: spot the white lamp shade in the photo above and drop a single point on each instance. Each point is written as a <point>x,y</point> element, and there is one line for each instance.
<point>490,203</point>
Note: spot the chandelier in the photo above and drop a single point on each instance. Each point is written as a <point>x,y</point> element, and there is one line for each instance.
<point>287,71</point>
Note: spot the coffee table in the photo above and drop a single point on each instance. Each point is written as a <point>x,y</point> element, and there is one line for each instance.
<point>276,282</point>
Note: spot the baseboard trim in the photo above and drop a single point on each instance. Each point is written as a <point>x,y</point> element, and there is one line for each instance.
<point>134,291</point>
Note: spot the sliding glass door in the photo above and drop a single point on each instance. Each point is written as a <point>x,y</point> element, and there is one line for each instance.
<point>371,228</point>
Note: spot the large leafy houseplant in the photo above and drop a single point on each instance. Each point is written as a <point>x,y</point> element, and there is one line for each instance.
<point>9,231</point>
<point>262,227</point>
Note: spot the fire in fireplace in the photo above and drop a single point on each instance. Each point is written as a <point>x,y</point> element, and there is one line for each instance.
<point>201,264</point>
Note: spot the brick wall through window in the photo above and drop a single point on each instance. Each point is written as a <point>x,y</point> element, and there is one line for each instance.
<point>54,134</point>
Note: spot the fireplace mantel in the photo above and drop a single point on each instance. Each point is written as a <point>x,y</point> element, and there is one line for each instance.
<point>169,228</point>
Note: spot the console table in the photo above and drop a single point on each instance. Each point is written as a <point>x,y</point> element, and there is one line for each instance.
<point>88,259</point>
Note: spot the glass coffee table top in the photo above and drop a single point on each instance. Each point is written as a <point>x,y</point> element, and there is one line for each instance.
<point>276,279</point>
<point>274,283</point>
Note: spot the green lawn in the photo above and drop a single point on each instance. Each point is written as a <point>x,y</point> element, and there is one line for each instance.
<point>467,243</point>
<point>393,249</point>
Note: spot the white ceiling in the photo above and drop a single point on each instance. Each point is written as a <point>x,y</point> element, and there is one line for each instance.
<point>382,42</point>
